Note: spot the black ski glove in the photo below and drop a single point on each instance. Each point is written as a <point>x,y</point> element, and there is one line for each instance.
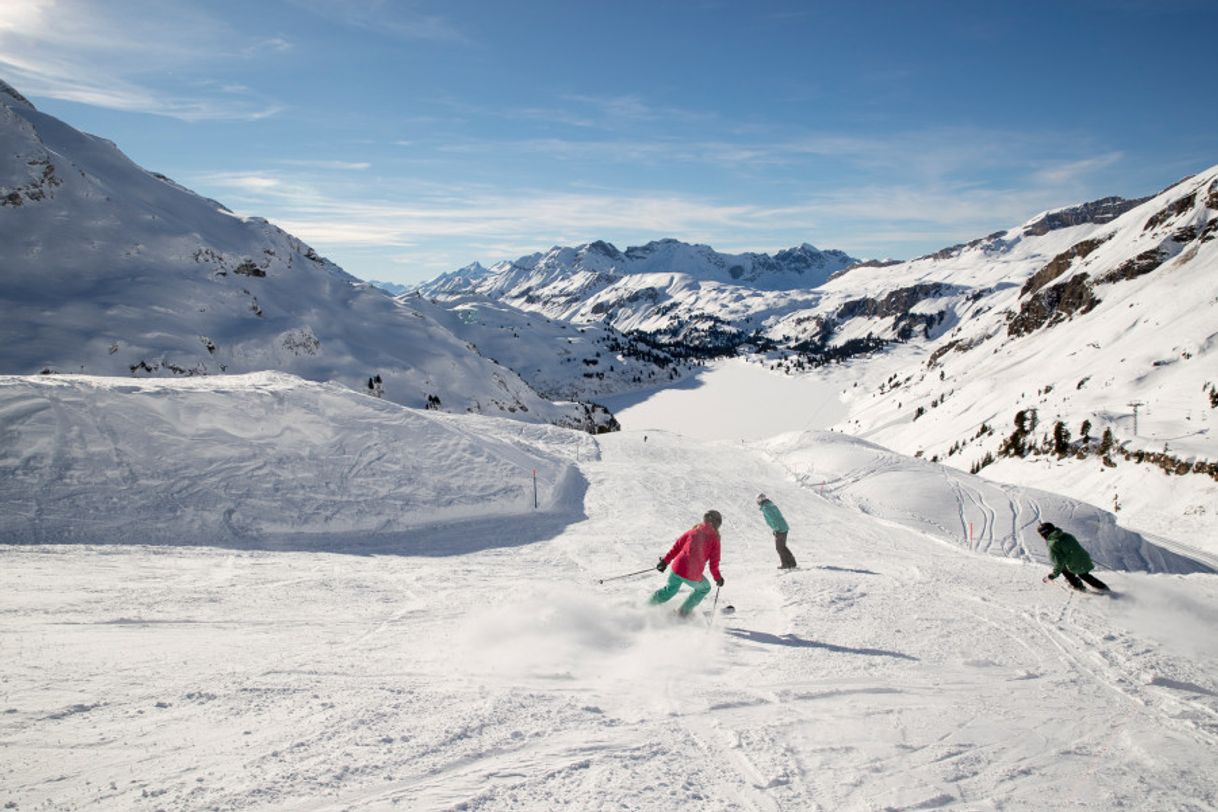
<point>718,582</point>
<point>1048,578</point>
<point>663,565</point>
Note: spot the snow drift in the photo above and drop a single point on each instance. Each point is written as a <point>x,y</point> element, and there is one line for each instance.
<point>948,504</point>
<point>270,460</point>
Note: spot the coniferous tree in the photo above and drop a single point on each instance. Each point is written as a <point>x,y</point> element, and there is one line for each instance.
<point>1061,439</point>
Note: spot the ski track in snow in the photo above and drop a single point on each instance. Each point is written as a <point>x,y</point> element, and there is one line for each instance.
<point>888,673</point>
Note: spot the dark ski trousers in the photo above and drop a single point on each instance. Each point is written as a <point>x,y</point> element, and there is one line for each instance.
<point>1076,581</point>
<point>784,555</point>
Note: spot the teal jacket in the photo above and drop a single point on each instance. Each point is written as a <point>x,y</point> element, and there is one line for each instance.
<point>773,517</point>
<point>1067,554</point>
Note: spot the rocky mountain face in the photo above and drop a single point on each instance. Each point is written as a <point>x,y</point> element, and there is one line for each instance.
<point>1101,211</point>
<point>108,269</point>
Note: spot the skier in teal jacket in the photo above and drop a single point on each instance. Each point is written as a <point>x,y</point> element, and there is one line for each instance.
<point>1069,558</point>
<point>773,517</point>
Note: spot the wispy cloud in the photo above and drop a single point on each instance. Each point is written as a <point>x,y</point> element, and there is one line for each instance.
<point>895,195</point>
<point>1060,173</point>
<point>520,216</point>
<point>337,166</point>
<point>397,19</point>
<point>106,55</point>
<point>620,108</point>
<point>532,219</point>
<point>929,157</point>
<point>612,113</point>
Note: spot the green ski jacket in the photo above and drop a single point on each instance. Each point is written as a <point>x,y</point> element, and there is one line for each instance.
<point>1067,554</point>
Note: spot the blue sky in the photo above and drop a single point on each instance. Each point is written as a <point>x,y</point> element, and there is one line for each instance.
<point>405,139</point>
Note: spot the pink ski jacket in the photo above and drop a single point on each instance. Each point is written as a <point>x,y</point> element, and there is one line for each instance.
<point>693,550</point>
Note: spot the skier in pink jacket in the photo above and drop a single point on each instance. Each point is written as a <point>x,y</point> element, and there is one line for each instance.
<point>689,556</point>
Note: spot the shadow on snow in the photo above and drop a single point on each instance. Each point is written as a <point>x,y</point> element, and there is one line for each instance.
<point>798,642</point>
<point>846,569</point>
<point>439,539</point>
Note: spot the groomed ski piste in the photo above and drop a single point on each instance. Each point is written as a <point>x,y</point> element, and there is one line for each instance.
<point>257,592</point>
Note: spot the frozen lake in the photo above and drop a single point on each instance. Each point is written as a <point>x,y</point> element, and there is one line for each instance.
<point>733,400</point>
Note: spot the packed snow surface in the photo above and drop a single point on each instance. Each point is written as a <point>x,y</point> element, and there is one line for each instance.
<point>493,670</point>
<point>262,459</point>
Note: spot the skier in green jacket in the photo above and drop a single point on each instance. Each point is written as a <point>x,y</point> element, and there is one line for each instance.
<point>773,517</point>
<point>1069,558</point>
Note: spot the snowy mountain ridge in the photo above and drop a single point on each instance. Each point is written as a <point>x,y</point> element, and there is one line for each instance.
<point>109,269</point>
<point>1060,324</point>
<point>694,294</point>
<point>1083,359</point>
<point>644,287</point>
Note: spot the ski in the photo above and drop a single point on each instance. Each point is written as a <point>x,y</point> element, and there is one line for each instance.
<point>1087,591</point>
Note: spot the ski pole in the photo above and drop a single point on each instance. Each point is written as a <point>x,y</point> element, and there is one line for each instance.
<point>627,575</point>
<point>714,604</point>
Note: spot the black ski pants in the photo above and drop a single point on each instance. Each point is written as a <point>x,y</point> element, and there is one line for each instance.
<point>784,555</point>
<point>1076,580</point>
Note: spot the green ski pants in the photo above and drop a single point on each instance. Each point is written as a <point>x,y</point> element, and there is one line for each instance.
<point>666,592</point>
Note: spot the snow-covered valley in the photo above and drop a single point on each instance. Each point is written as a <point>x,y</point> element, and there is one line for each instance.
<point>474,661</point>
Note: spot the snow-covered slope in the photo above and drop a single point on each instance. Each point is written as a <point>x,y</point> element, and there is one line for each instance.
<point>1099,327</point>
<point>270,459</point>
<point>968,510</point>
<point>890,672</point>
<point>108,269</point>
<point>558,358</point>
<point>266,460</point>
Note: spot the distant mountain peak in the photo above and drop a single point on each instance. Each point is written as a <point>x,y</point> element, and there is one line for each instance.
<point>603,248</point>
<point>472,269</point>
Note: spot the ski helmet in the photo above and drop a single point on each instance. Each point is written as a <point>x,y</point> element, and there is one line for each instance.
<point>1045,529</point>
<point>713,517</point>
<point>761,497</point>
